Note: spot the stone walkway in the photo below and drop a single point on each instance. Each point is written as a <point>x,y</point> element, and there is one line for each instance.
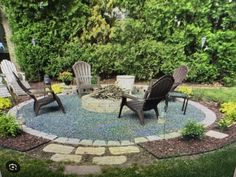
<point>101,155</point>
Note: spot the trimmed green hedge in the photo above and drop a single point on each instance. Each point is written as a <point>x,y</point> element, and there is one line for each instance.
<point>154,37</point>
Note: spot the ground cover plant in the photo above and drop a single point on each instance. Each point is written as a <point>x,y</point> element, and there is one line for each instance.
<point>143,38</point>
<point>8,125</point>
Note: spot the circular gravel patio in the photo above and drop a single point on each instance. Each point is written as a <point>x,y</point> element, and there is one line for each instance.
<point>83,124</point>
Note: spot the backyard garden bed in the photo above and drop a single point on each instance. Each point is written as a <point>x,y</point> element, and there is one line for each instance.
<point>23,142</point>
<point>179,147</point>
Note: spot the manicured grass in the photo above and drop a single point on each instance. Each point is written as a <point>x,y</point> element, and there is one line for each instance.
<point>220,163</point>
<point>224,94</point>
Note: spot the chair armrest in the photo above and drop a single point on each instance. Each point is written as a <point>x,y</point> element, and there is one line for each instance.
<point>22,75</point>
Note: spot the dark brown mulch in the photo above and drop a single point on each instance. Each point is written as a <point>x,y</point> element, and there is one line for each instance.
<point>179,147</point>
<point>23,142</point>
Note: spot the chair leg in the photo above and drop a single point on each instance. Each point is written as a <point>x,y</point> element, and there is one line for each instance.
<point>121,106</point>
<point>156,111</point>
<point>141,117</point>
<point>186,104</point>
<point>60,104</point>
<point>37,108</point>
<point>166,103</point>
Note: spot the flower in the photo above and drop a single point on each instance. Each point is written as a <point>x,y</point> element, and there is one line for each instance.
<point>57,88</point>
<point>65,76</point>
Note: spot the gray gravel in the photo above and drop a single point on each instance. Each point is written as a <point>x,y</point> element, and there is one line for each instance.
<point>83,124</point>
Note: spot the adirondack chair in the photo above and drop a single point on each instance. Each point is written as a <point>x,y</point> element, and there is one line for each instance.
<point>38,103</point>
<point>82,71</point>
<point>8,68</point>
<point>4,92</point>
<point>179,76</point>
<point>152,98</point>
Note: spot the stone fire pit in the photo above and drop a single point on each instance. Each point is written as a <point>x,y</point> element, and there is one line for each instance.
<point>104,100</point>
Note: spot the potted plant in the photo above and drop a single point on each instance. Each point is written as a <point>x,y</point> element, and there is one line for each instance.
<point>66,77</point>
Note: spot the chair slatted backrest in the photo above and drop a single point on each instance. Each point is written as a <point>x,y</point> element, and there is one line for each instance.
<point>82,72</point>
<point>159,90</point>
<point>7,68</point>
<point>179,75</point>
<point>23,87</point>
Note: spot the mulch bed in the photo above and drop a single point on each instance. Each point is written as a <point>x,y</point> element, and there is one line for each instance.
<point>23,142</point>
<point>180,147</point>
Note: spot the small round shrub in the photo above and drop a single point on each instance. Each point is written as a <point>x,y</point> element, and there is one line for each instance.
<point>8,125</point>
<point>57,88</point>
<point>5,103</point>
<point>192,130</point>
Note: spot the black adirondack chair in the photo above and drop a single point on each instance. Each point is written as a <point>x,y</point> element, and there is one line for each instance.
<point>153,96</point>
<point>38,103</point>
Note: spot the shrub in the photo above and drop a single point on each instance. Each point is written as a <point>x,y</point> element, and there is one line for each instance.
<point>8,125</point>
<point>5,103</point>
<point>65,76</point>
<point>229,110</point>
<point>57,88</point>
<point>192,130</point>
<point>185,89</point>
<point>228,107</point>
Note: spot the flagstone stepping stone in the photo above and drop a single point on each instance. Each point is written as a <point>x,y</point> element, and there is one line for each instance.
<point>83,169</point>
<point>86,142</point>
<point>170,135</point>
<point>90,150</point>
<point>153,138</point>
<point>58,149</point>
<point>99,143</point>
<point>113,143</point>
<point>109,160</point>
<point>124,150</point>
<point>216,134</point>
<point>140,140</point>
<point>126,142</point>
<point>66,158</point>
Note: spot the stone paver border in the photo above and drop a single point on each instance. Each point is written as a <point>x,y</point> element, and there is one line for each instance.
<point>210,118</point>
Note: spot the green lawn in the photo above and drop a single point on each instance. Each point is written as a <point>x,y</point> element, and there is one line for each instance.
<point>220,163</point>
<point>224,94</point>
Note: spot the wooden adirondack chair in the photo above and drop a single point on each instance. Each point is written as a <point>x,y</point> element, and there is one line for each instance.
<point>8,68</point>
<point>82,71</point>
<point>38,103</point>
<point>4,92</point>
<point>179,75</point>
<point>152,98</point>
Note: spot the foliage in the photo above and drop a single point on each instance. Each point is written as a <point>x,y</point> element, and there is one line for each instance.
<point>57,88</point>
<point>5,103</point>
<point>8,125</point>
<point>229,110</point>
<point>137,37</point>
<point>192,130</point>
<point>185,89</point>
<point>65,76</point>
